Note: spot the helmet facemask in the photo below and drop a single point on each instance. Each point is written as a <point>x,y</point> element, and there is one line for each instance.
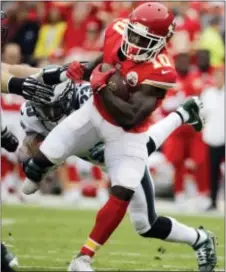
<point>139,45</point>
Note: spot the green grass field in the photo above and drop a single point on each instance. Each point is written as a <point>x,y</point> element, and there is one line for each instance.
<point>45,239</point>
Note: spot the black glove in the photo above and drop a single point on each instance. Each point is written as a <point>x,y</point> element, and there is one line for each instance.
<point>33,171</point>
<point>97,152</point>
<point>31,89</point>
<point>9,140</point>
<point>54,74</point>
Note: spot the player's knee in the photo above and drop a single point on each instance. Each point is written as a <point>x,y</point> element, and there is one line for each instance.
<point>160,229</point>
<point>55,154</point>
<point>122,193</point>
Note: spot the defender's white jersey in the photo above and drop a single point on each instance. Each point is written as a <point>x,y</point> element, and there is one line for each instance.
<point>30,122</point>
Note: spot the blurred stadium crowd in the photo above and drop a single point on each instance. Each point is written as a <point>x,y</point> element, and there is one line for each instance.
<point>42,33</point>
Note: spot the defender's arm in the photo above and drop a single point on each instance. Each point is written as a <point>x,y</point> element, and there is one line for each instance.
<point>19,70</point>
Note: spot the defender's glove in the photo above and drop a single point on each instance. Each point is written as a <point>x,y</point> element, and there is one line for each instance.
<point>33,171</point>
<point>75,71</point>
<point>51,74</point>
<point>97,152</point>
<point>98,79</point>
<point>54,74</point>
<point>9,140</point>
<point>30,89</point>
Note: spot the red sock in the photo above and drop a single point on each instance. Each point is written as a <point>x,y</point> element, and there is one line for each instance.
<point>107,220</point>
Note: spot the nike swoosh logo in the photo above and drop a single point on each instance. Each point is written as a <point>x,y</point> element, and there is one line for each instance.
<point>165,72</point>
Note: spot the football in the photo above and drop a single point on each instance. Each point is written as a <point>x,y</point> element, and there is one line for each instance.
<point>116,82</point>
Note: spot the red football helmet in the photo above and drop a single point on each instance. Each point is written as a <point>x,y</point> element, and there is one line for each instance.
<point>149,28</point>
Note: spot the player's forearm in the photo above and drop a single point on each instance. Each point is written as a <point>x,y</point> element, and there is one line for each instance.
<point>90,66</point>
<point>121,111</point>
<point>144,107</point>
<point>5,77</point>
<point>127,114</point>
<point>19,70</point>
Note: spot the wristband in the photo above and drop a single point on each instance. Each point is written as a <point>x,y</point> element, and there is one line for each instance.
<point>53,79</point>
<point>15,85</point>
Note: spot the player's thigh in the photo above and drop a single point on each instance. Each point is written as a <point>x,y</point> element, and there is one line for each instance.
<point>126,159</point>
<point>142,206</point>
<point>126,172</point>
<point>73,136</point>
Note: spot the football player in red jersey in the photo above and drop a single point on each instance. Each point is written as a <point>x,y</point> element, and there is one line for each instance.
<point>135,47</point>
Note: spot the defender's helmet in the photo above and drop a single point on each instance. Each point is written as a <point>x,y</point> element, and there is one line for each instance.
<point>4,30</point>
<point>149,28</point>
<point>60,105</point>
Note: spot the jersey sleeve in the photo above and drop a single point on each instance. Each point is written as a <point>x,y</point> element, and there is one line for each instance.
<point>162,72</point>
<point>29,121</point>
<point>164,78</point>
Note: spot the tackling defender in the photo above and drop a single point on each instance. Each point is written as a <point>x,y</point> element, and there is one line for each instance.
<point>136,47</point>
<point>30,89</point>
<point>15,80</point>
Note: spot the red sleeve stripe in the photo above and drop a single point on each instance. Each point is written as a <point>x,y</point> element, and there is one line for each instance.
<point>163,85</point>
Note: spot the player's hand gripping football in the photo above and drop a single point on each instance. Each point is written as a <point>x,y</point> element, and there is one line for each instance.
<point>98,79</point>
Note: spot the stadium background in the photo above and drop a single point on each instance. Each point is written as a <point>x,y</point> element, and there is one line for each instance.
<point>42,33</point>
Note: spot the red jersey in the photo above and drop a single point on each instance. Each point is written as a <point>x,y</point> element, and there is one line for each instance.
<point>159,72</point>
